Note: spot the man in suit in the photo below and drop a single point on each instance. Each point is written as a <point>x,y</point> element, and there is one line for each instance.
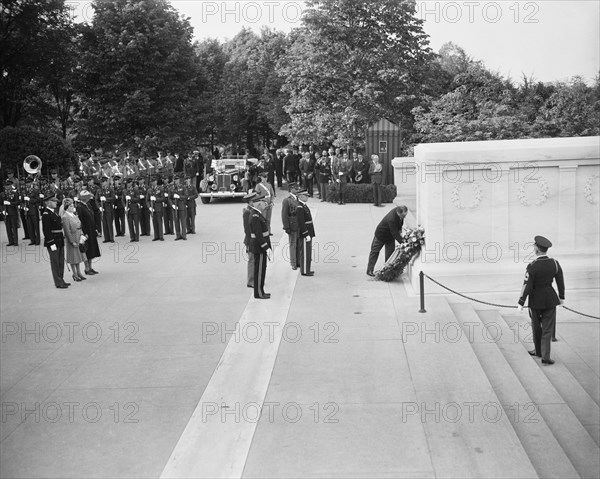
<point>387,232</point>
<point>10,210</point>
<point>542,297</point>
<point>341,168</point>
<point>306,232</point>
<point>260,244</point>
<point>54,241</point>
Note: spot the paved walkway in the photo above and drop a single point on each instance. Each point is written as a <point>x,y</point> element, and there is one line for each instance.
<point>162,363</point>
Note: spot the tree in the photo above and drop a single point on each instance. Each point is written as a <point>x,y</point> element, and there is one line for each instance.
<point>28,31</point>
<point>139,73</point>
<point>481,106</point>
<point>354,62</point>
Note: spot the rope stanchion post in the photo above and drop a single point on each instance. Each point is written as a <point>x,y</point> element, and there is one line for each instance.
<point>422,291</point>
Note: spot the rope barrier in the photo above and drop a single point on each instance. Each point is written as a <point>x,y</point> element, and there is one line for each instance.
<point>494,304</point>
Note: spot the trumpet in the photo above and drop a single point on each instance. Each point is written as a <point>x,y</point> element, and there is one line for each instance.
<point>32,164</point>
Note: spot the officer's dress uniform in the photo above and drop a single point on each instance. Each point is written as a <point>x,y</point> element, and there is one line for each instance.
<point>260,243</point>
<point>53,237</point>
<point>144,211</point>
<point>542,298</point>
<point>31,198</point>
<point>170,213</point>
<point>305,229</point>
<point>290,226</point>
<point>10,209</point>
<point>246,217</point>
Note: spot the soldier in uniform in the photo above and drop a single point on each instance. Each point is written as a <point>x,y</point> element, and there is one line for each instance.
<point>192,194</point>
<point>119,207</point>
<point>144,211</point>
<point>306,232</point>
<point>156,205</point>
<point>246,216</point>
<point>290,225</point>
<point>54,241</point>
<point>542,297</point>
<point>131,202</point>
<point>105,196</point>
<point>260,244</point>
<point>10,210</point>
<point>179,204</point>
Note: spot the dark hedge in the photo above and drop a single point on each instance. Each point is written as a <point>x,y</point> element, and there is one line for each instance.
<point>361,193</point>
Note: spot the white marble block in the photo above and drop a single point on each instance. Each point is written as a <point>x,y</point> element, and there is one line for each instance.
<point>481,204</point>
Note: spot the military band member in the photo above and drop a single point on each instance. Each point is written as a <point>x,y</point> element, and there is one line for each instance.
<point>169,211</point>
<point>179,205</point>
<point>156,205</point>
<point>119,210</point>
<point>105,197</point>
<point>131,203</point>
<point>106,170</point>
<point>540,274</point>
<point>31,198</point>
<point>290,225</point>
<point>144,208</point>
<point>191,195</point>
<point>54,241</point>
<point>306,232</point>
<point>260,244</point>
<point>10,211</point>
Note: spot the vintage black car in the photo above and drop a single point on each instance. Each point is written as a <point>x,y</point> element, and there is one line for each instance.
<point>225,179</point>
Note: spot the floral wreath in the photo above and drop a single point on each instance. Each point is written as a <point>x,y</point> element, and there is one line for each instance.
<point>412,241</point>
<point>455,195</point>
<point>540,200</point>
<point>587,189</point>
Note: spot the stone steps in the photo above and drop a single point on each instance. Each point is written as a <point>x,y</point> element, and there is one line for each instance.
<point>544,451</point>
<point>447,380</point>
<point>572,431</point>
<point>581,403</point>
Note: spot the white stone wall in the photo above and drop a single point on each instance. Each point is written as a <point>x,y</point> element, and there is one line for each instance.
<point>481,204</point>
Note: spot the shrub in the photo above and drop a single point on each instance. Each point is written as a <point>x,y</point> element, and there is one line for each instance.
<point>361,193</point>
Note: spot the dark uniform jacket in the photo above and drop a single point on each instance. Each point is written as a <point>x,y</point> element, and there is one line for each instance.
<point>390,227</point>
<point>246,217</point>
<point>538,283</point>
<point>305,221</point>
<point>288,213</point>
<point>259,234</point>
<point>52,228</point>
<point>11,197</point>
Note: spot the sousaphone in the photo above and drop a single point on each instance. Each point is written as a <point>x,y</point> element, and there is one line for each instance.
<point>32,164</point>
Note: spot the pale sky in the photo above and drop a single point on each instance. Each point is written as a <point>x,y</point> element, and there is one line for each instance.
<point>545,39</point>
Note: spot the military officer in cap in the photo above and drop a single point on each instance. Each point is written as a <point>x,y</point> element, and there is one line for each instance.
<point>306,232</point>
<point>260,244</point>
<point>10,209</point>
<point>54,241</point>
<point>290,224</point>
<point>542,297</point>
